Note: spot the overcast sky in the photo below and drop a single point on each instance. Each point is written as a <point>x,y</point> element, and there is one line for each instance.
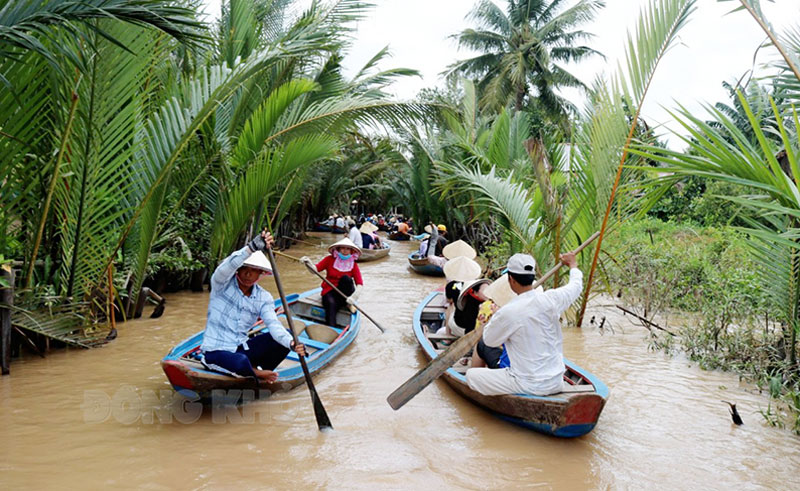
<point>714,47</point>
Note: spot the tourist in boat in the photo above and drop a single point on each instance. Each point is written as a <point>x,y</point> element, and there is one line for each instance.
<point>354,234</point>
<point>340,223</point>
<point>462,274</point>
<point>342,270</point>
<point>402,227</point>
<point>235,304</point>
<point>470,297</point>
<point>369,239</point>
<point>529,327</point>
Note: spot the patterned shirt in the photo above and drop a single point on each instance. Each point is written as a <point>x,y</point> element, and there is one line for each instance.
<point>231,314</point>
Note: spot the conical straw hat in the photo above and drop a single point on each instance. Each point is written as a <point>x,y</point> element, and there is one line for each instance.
<point>500,291</point>
<point>367,228</point>
<point>462,269</point>
<point>259,261</point>
<point>474,285</point>
<point>346,243</point>
<point>458,248</point>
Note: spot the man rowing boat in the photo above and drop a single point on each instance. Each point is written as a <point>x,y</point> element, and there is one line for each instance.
<point>235,304</point>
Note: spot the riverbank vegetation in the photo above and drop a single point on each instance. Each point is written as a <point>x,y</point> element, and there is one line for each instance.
<point>139,145</point>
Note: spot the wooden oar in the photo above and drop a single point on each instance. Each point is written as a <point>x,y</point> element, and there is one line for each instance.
<point>334,288</point>
<point>455,352</point>
<point>319,410</point>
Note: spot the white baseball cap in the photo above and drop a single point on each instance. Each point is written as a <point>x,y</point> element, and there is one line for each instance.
<point>522,264</point>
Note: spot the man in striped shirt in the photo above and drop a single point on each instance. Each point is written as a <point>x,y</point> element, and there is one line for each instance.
<point>235,304</point>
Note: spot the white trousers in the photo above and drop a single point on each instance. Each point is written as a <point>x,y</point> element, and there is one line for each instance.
<point>499,381</point>
<point>493,381</point>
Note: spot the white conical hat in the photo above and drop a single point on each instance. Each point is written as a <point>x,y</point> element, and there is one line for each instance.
<point>458,248</point>
<point>462,269</point>
<point>259,261</point>
<point>500,291</point>
<point>346,242</point>
<point>367,228</point>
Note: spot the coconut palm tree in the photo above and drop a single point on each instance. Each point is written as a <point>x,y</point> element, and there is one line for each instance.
<point>523,49</point>
<point>591,167</point>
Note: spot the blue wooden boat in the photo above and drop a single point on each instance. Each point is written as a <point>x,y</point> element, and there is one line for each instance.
<point>421,265</point>
<point>573,412</point>
<point>191,378</point>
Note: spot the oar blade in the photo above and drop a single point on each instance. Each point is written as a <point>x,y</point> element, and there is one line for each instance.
<point>433,370</point>
<point>323,421</point>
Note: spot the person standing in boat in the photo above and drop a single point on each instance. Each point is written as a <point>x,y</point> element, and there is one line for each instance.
<point>235,304</point>
<point>529,327</point>
<point>340,269</point>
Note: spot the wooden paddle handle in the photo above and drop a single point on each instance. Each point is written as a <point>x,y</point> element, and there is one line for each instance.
<point>555,268</point>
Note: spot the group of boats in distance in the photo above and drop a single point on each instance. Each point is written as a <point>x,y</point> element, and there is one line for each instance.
<point>571,413</point>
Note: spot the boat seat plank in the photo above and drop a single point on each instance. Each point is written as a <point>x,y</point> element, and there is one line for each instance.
<point>313,343</point>
<point>578,388</point>
<point>439,336</point>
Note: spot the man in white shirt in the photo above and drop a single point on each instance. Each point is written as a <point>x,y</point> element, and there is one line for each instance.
<point>529,327</point>
<point>354,234</point>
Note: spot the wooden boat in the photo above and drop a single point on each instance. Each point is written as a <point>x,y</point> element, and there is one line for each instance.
<point>321,227</point>
<point>421,265</point>
<point>571,413</point>
<point>373,254</point>
<point>324,343</point>
<point>399,236</point>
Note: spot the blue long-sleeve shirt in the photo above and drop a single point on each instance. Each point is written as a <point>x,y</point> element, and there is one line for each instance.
<point>231,314</point>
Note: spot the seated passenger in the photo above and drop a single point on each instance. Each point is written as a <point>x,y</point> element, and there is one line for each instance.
<point>369,239</point>
<point>469,300</point>
<point>529,327</point>
<point>459,272</point>
<point>354,234</point>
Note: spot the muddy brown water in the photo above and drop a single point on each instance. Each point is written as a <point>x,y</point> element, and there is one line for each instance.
<point>108,418</point>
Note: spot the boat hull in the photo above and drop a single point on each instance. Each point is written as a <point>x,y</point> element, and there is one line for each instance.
<point>399,236</point>
<point>190,377</point>
<point>572,413</point>
<point>374,254</point>
<point>422,266</point>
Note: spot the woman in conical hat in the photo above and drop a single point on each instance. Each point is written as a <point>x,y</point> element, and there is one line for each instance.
<point>340,269</point>
<point>369,239</point>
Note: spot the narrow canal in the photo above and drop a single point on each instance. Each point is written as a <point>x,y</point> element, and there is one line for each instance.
<point>107,417</point>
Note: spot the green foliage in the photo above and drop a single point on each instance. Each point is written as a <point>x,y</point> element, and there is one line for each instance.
<point>713,276</point>
<point>662,265</point>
